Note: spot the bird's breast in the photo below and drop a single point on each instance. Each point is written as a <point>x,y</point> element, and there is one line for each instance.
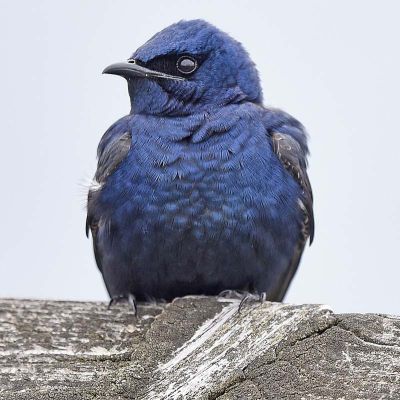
<point>202,182</point>
<point>189,186</point>
<point>192,195</point>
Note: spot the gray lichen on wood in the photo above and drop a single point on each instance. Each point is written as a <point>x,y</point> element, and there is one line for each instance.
<point>195,348</point>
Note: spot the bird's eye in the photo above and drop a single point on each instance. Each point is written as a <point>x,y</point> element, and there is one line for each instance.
<point>186,65</point>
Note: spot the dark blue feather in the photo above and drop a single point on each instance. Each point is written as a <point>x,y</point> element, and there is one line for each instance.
<point>200,200</point>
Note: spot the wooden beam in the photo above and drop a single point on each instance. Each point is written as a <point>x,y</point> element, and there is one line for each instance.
<point>195,348</point>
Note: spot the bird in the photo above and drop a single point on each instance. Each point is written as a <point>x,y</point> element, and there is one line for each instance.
<point>201,189</point>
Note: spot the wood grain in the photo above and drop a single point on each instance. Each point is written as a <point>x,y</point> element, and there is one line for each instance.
<point>195,348</point>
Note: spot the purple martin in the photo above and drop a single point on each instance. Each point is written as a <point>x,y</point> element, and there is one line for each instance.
<point>201,189</point>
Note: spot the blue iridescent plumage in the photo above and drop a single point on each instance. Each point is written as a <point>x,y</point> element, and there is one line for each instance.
<point>200,188</point>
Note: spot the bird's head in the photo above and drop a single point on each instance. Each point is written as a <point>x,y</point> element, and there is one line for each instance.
<point>189,66</point>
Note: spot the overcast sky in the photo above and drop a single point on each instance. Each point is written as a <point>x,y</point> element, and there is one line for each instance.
<point>333,65</point>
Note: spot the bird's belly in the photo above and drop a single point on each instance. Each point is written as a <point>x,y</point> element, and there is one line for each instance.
<point>193,237</point>
<point>183,241</point>
<point>192,224</point>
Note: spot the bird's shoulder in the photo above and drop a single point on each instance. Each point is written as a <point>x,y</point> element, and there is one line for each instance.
<point>276,120</point>
<point>113,148</point>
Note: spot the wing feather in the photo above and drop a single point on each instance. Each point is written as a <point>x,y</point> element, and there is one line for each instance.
<point>112,151</point>
<point>293,159</point>
<point>292,155</point>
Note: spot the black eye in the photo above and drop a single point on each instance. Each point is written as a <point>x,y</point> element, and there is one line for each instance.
<point>186,65</point>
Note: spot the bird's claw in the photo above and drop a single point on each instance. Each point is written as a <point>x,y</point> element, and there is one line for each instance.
<point>251,297</point>
<point>122,297</point>
<point>231,294</point>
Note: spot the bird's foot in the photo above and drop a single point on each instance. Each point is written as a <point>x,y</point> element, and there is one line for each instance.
<point>231,294</point>
<point>124,297</point>
<point>243,296</point>
<point>251,297</point>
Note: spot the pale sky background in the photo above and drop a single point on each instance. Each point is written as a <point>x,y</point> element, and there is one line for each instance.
<point>333,65</point>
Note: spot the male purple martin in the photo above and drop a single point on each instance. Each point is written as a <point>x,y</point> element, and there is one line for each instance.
<point>200,189</point>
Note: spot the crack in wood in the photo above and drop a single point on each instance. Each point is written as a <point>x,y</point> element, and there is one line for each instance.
<point>195,348</point>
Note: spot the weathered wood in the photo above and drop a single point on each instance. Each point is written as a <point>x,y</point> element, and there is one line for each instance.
<point>195,348</point>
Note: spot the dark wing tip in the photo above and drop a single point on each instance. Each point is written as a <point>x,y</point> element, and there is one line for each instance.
<point>87,227</point>
<point>311,237</point>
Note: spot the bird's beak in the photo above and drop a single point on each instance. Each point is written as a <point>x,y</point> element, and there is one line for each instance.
<point>130,69</point>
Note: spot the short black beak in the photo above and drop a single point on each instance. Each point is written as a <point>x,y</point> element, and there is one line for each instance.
<point>130,69</point>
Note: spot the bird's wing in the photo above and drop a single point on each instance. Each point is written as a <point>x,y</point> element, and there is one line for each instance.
<point>111,156</point>
<point>113,148</point>
<point>293,159</point>
<point>290,145</point>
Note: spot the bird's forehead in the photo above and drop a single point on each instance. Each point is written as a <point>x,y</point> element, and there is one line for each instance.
<point>193,37</point>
